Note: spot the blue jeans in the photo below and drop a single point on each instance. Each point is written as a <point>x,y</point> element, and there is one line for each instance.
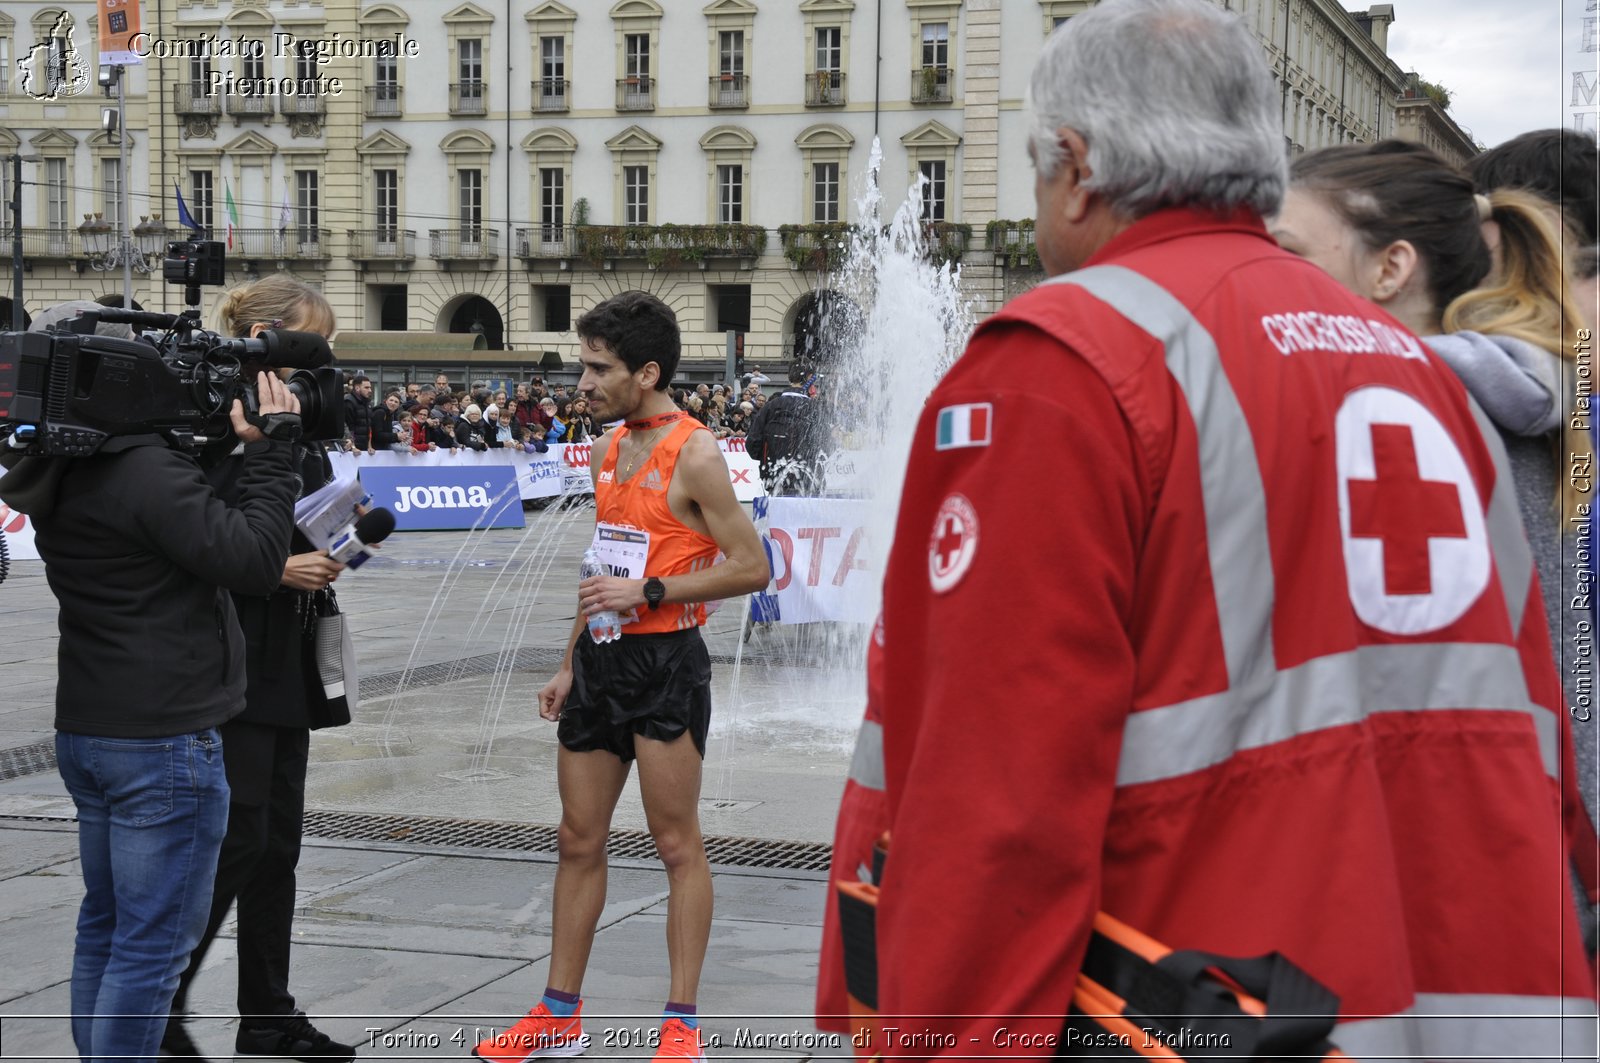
<point>151,816</point>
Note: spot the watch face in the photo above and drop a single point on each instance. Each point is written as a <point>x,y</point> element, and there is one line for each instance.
<point>654,591</point>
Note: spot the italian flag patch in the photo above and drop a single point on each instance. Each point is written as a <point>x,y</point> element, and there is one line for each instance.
<point>964,426</point>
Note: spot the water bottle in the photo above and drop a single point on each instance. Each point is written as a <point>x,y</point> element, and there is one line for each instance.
<point>604,626</point>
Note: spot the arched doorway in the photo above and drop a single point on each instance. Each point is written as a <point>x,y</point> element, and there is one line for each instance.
<point>826,327</point>
<point>477,314</point>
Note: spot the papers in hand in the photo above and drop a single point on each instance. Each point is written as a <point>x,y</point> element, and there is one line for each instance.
<point>323,514</point>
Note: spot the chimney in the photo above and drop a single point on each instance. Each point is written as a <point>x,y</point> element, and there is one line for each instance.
<point>1378,18</point>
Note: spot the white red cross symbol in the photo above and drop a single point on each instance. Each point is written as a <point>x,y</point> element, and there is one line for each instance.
<point>1416,546</point>
<point>953,544</point>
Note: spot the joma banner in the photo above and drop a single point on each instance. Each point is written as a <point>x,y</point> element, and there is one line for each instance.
<point>433,497</point>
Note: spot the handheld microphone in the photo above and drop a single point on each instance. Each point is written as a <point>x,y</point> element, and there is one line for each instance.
<point>353,546</point>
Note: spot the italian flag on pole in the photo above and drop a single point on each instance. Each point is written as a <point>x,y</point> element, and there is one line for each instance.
<point>233,211</point>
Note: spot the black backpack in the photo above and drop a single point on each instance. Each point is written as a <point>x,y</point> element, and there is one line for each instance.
<point>789,429</point>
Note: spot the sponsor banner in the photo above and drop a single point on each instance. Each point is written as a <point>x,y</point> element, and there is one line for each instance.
<point>845,472</point>
<point>429,497</point>
<point>822,566</point>
<point>538,475</point>
<point>119,25</point>
<point>742,472</point>
<point>17,530</point>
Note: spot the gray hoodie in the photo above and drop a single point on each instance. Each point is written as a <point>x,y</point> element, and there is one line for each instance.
<point>1517,384</point>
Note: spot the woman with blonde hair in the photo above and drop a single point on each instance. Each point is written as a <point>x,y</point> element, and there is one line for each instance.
<point>266,748</point>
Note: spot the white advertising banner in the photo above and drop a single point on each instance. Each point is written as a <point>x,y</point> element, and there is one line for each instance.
<point>822,566</point>
<point>538,475</point>
<point>742,472</point>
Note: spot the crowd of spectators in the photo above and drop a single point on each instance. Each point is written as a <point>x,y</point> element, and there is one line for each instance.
<point>422,417</point>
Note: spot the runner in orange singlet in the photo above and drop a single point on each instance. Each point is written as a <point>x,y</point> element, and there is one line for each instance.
<point>661,490</point>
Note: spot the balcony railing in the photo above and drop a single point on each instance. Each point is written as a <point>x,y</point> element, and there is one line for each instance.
<point>636,94</point>
<point>469,97</point>
<point>545,241</point>
<point>249,106</point>
<point>301,242</point>
<point>1013,244</point>
<point>367,245</point>
<point>44,243</point>
<point>385,101</point>
<point>825,88</point>
<point>192,98</point>
<point>464,242</point>
<point>819,246</point>
<point>306,101</point>
<point>933,84</point>
<point>550,95</point>
<point>730,91</point>
<point>666,246</point>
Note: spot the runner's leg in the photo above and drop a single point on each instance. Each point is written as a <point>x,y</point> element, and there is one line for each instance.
<point>590,784</point>
<point>669,783</point>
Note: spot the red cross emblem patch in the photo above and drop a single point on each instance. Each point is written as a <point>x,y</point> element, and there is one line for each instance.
<point>953,543</point>
<point>1416,546</point>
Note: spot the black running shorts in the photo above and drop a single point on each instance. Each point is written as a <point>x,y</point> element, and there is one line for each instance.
<point>657,685</point>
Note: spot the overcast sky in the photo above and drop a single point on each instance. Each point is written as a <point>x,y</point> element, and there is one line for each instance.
<point>1507,63</point>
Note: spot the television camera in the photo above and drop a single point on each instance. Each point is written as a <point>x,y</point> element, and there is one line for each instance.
<point>68,390</point>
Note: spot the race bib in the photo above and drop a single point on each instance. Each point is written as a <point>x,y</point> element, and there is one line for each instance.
<point>623,551</point>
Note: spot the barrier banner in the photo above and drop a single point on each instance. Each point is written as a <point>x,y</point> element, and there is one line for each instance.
<point>119,25</point>
<point>538,475</point>
<point>431,497</point>
<point>17,530</point>
<point>822,567</point>
<point>742,472</point>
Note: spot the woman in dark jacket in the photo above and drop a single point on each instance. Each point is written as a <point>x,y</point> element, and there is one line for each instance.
<point>471,431</point>
<point>266,748</point>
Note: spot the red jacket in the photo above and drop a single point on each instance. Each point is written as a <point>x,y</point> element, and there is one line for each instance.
<point>1220,620</point>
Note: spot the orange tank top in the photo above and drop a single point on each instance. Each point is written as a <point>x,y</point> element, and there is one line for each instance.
<point>641,502</point>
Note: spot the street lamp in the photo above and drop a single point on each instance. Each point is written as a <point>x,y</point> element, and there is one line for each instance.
<point>17,159</point>
<point>123,256</point>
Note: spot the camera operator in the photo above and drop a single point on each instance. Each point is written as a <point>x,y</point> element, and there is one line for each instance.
<point>140,552</point>
<point>267,745</point>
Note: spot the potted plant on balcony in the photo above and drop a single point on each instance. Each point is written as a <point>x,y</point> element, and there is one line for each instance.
<point>930,82</point>
<point>824,85</point>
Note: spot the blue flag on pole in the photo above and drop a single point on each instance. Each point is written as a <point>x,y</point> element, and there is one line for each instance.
<point>184,217</point>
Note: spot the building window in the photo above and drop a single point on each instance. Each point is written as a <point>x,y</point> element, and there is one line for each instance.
<point>307,214</point>
<point>933,198</point>
<point>253,62</point>
<point>111,192</point>
<point>386,81</point>
<point>470,204</point>
<point>386,196</point>
<point>730,54</point>
<point>556,304</point>
<point>825,191</point>
<point>636,57</point>
<point>636,195</point>
<point>55,183</point>
<point>830,48</point>
<point>5,65</point>
<point>936,44</point>
<point>552,204</point>
<point>305,65</point>
<point>199,75</point>
<point>730,195</point>
<point>469,76</point>
<point>201,200</point>
<point>552,72</point>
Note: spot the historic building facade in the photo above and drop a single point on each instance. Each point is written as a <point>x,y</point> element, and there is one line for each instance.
<point>488,171</point>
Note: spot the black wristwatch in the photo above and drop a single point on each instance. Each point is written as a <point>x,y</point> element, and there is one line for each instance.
<point>654,591</point>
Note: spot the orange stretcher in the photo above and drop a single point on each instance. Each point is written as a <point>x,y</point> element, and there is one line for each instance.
<point>1134,997</point>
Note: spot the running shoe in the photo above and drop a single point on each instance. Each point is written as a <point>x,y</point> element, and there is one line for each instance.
<point>539,1035</point>
<point>679,1042</point>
